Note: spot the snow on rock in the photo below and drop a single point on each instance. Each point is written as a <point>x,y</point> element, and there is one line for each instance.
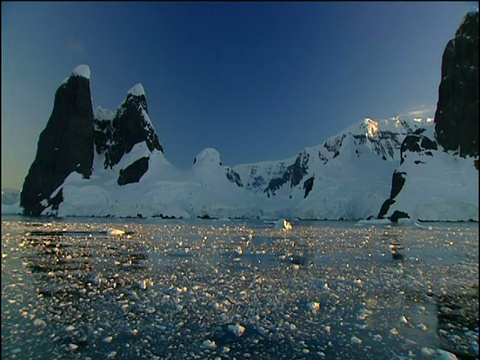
<point>137,90</point>
<point>208,167</point>
<point>208,157</point>
<point>82,70</point>
<point>441,187</point>
<point>104,114</point>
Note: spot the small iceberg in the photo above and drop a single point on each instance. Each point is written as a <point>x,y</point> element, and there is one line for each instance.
<point>374,222</point>
<point>283,224</point>
<point>115,232</point>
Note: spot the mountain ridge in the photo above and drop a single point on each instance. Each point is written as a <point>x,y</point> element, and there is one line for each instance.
<point>123,171</point>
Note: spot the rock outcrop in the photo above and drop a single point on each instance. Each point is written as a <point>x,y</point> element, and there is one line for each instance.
<point>64,146</point>
<point>456,132</point>
<point>131,125</point>
<point>75,136</point>
<point>456,118</point>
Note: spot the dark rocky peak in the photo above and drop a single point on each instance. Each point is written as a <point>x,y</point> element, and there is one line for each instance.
<point>233,177</point>
<point>131,125</point>
<point>64,146</point>
<point>456,118</point>
<point>293,174</point>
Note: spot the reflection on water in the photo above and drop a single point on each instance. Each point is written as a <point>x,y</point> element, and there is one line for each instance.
<point>237,290</point>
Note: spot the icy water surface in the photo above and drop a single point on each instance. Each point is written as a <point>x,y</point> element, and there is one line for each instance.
<point>237,290</point>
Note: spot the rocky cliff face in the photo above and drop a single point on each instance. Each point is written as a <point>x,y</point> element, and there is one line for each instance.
<point>131,125</point>
<point>425,180</point>
<point>456,117</point>
<point>64,146</point>
<point>75,136</point>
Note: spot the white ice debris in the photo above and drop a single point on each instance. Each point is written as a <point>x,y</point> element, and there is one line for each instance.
<point>445,355</point>
<point>355,340</point>
<point>314,306</point>
<point>236,329</point>
<point>426,351</point>
<point>422,327</point>
<point>39,323</point>
<point>115,232</point>
<point>282,224</point>
<point>393,331</point>
<point>209,344</point>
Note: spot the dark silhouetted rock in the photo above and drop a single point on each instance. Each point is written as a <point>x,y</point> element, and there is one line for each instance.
<point>234,177</point>
<point>398,180</point>
<point>134,172</point>
<point>64,146</point>
<point>397,215</point>
<point>308,186</point>
<point>131,125</point>
<point>456,118</point>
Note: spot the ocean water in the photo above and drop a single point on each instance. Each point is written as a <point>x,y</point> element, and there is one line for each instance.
<point>237,289</point>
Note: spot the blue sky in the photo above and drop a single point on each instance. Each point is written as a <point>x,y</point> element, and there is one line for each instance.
<point>257,81</point>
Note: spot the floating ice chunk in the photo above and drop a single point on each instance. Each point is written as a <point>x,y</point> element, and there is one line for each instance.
<point>70,328</point>
<point>237,329</point>
<point>394,331</point>
<point>314,306</point>
<point>363,314</point>
<point>375,222</point>
<point>355,340</point>
<point>115,232</point>
<point>108,339</point>
<point>40,323</point>
<point>283,223</point>
<point>444,355</point>
<point>422,327</point>
<point>426,351</point>
<point>416,224</point>
<point>377,337</point>
<point>209,344</point>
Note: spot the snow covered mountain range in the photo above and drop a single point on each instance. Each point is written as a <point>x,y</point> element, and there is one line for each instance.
<point>111,163</point>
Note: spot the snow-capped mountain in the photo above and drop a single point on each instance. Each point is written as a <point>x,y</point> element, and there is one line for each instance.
<point>111,163</point>
<point>345,177</point>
